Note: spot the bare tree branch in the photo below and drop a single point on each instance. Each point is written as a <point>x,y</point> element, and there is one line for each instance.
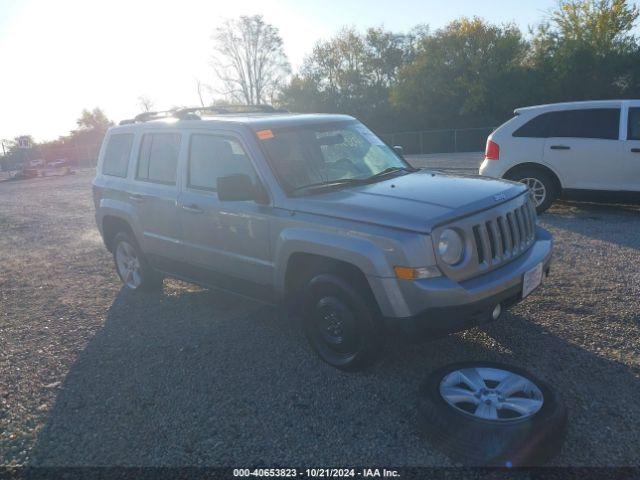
<point>249,59</point>
<point>145,103</point>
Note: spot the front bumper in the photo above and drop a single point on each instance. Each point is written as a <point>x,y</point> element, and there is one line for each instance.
<point>439,306</point>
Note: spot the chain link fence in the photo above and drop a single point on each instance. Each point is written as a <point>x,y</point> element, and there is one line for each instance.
<point>451,140</point>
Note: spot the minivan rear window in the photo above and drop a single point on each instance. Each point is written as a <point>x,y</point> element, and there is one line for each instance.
<point>602,123</point>
<point>116,156</point>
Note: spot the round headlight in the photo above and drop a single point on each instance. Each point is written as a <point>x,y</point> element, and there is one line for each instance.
<point>450,247</point>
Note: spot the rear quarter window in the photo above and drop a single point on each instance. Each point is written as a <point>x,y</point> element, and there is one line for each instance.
<point>116,157</point>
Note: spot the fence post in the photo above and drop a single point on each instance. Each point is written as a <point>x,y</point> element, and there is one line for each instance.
<point>455,140</point>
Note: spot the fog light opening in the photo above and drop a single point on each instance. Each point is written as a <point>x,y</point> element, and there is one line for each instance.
<point>497,310</point>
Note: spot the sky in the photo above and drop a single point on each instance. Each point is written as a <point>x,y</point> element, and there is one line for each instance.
<point>60,56</point>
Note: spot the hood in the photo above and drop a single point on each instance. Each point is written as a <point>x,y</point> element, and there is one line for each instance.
<point>417,201</point>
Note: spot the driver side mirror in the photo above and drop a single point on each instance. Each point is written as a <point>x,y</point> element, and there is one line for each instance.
<point>240,187</point>
<point>399,149</point>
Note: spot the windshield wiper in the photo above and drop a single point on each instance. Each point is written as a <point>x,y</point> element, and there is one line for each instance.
<point>354,181</point>
<point>331,183</point>
<point>388,171</point>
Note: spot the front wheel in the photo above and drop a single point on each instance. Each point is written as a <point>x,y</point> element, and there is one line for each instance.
<point>542,185</point>
<point>133,269</point>
<point>341,323</point>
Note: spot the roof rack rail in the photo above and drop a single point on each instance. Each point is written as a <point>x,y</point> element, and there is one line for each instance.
<point>146,116</point>
<point>191,113</point>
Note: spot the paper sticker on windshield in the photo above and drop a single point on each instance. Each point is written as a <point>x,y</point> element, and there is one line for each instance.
<point>368,135</point>
<point>264,134</point>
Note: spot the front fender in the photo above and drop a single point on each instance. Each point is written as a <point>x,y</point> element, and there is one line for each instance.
<point>359,251</point>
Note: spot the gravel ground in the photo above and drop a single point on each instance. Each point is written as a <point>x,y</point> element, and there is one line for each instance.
<point>93,375</point>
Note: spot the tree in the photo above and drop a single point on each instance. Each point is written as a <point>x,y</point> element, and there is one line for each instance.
<point>604,26</point>
<point>350,73</point>
<point>93,120</point>
<point>586,49</point>
<point>466,74</point>
<point>145,103</point>
<point>249,59</point>
<point>201,88</point>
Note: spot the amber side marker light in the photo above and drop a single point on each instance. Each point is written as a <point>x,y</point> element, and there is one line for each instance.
<point>408,273</point>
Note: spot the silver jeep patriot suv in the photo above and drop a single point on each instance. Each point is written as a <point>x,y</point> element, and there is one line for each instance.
<point>314,212</point>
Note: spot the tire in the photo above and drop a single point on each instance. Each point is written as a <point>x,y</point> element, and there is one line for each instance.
<point>126,252</point>
<point>507,441</point>
<point>341,322</point>
<point>529,176</point>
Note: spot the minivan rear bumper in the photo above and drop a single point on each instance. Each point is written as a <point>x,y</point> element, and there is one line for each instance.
<point>440,306</point>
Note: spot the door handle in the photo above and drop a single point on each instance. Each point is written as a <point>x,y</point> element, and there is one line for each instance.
<point>635,150</point>
<point>192,208</point>
<point>560,147</point>
<point>136,197</point>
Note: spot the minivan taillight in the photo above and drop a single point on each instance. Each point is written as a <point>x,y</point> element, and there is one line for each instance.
<point>492,152</point>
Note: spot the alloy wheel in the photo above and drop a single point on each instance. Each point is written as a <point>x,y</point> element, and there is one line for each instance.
<point>128,265</point>
<point>537,188</point>
<point>491,394</point>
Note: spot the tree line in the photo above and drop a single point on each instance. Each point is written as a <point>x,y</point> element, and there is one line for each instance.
<point>80,145</point>
<point>470,73</point>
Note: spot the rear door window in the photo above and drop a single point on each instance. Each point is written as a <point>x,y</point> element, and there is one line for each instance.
<point>600,123</point>
<point>116,156</point>
<point>158,159</point>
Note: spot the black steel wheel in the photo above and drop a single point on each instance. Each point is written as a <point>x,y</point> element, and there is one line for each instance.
<point>340,323</point>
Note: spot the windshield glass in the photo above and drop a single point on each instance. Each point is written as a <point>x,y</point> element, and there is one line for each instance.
<point>328,153</point>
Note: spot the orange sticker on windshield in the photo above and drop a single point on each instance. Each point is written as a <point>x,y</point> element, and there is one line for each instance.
<point>264,134</point>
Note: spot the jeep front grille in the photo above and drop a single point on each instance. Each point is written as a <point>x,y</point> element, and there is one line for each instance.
<point>504,236</point>
<point>492,238</point>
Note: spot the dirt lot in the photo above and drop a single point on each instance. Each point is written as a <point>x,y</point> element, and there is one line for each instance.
<point>92,375</point>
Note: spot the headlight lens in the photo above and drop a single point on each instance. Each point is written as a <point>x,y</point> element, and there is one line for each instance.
<point>450,247</point>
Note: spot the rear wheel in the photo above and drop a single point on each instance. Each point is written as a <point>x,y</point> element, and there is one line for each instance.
<point>543,186</point>
<point>133,269</point>
<point>341,323</point>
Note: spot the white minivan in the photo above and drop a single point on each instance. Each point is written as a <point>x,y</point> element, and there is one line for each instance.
<point>568,149</point>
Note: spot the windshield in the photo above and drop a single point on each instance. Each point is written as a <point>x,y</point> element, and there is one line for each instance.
<point>328,154</point>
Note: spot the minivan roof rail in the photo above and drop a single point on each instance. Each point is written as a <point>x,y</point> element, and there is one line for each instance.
<point>191,113</point>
